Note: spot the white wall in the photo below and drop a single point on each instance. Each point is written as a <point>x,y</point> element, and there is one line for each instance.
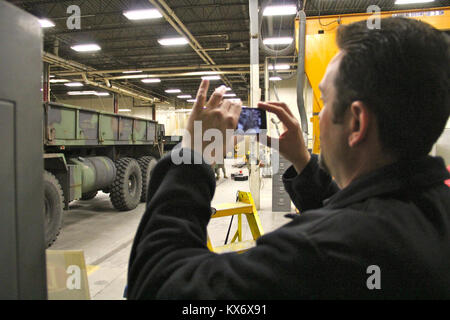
<point>287,93</point>
<point>174,121</point>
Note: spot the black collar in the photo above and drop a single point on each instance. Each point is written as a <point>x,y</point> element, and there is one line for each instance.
<point>410,176</point>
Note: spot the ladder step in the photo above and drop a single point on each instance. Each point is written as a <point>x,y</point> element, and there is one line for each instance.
<point>236,247</point>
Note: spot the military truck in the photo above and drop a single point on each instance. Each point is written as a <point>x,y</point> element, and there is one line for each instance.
<point>86,151</point>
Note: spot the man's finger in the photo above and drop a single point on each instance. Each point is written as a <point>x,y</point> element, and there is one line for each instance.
<point>201,96</point>
<point>235,110</point>
<point>282,114</point>
<point>226,104</point>
<point>216,97</point>
<point>282,105</point>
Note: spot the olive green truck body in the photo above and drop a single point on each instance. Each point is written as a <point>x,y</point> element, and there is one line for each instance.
<point>88,150</point>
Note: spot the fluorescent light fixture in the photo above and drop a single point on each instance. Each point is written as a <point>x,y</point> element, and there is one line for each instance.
<point>280,67</point>
<point>86,47</point>
<point>124,110</point>
<point>142,14</point>
<point>51,76</point>
<point>207,73</point>
<point>132,71</point>
<point>87,93</point>
<point>412,1</point>
<point>227,89</point>
<point>173,91</point>
<point>45,23</point>
<point>235,100</point>
<point>279,40</point>
<point>102,94</point>
<point>81,93</point>
<point>275,79</point>
<point>58,80</point>
<point>283,10</point>
<point>229,95</point>
<point>192,100</point>
<point>173,41</point>
<point>74,84</point>
<point>184,96</point>
<point>211,78</point>
<point>151,80</point>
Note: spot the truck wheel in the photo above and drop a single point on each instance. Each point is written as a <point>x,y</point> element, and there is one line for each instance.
<point>89,195</point>
<point>147,164</point>
<point>53,196</point>
<point>127,186</point>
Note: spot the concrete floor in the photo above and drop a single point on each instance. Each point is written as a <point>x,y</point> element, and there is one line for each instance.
<point>106,235</point>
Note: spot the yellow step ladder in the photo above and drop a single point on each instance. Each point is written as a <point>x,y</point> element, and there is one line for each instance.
<point>244,205</point>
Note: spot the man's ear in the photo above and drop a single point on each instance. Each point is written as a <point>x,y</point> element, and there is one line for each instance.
<point>360,118</point>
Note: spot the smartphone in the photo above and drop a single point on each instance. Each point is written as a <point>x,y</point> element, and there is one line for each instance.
<point>251,121</point>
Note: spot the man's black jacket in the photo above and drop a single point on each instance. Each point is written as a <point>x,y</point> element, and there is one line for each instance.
<point>389,230</point>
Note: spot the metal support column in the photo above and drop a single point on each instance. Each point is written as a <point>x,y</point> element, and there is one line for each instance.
<point>46,82</point>
<point>255,96</point>
<point>116,102</point>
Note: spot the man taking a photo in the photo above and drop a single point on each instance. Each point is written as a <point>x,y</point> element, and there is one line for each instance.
<point>372,202</point>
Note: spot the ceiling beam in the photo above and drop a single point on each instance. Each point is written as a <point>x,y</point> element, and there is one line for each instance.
<point>126,26</point>
<point>159,69</point>
<point>178,25</point>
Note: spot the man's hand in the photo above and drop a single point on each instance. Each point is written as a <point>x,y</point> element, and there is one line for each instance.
<point>217,114</point>
<point>291,143</point>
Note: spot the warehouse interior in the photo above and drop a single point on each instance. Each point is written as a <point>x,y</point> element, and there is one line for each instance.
<point>142,61</point>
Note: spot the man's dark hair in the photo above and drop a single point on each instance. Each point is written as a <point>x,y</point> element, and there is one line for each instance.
<point>401,71</point>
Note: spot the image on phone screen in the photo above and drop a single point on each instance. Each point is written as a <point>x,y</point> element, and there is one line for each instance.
<point>251,121</point>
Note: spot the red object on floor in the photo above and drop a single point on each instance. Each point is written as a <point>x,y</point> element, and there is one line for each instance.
<point>447,182</point>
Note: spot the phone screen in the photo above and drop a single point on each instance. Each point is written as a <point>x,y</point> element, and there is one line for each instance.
<point>251,121</point>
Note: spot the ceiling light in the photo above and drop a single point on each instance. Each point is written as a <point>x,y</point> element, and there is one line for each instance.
<point>86,47</point>
<point>81,93</point>
<point>280,67</point>
<point>284,10</point>
<point>192,100</point>
<point>275,79</point>
<point>151,80</point>
<point>74,84</point>
<point>412,1</point>
<point>211,78</point>
<point>184,96</point>
<point>124,110</point>
<point>142,14</point>
<point>234,100</point>
<point>230,95</point>
<point>280,40</point>
<point>132,71</point>
<point>45,23</point>
<point>173,91</point>
<point>58,80</point>
<point>87,93</point>
<point>173,41</point>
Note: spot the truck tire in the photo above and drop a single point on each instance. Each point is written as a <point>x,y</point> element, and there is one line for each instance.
<point>147,164</point>
<point>127,186</point>
<point>53,208</point>
<point>89,195</point>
